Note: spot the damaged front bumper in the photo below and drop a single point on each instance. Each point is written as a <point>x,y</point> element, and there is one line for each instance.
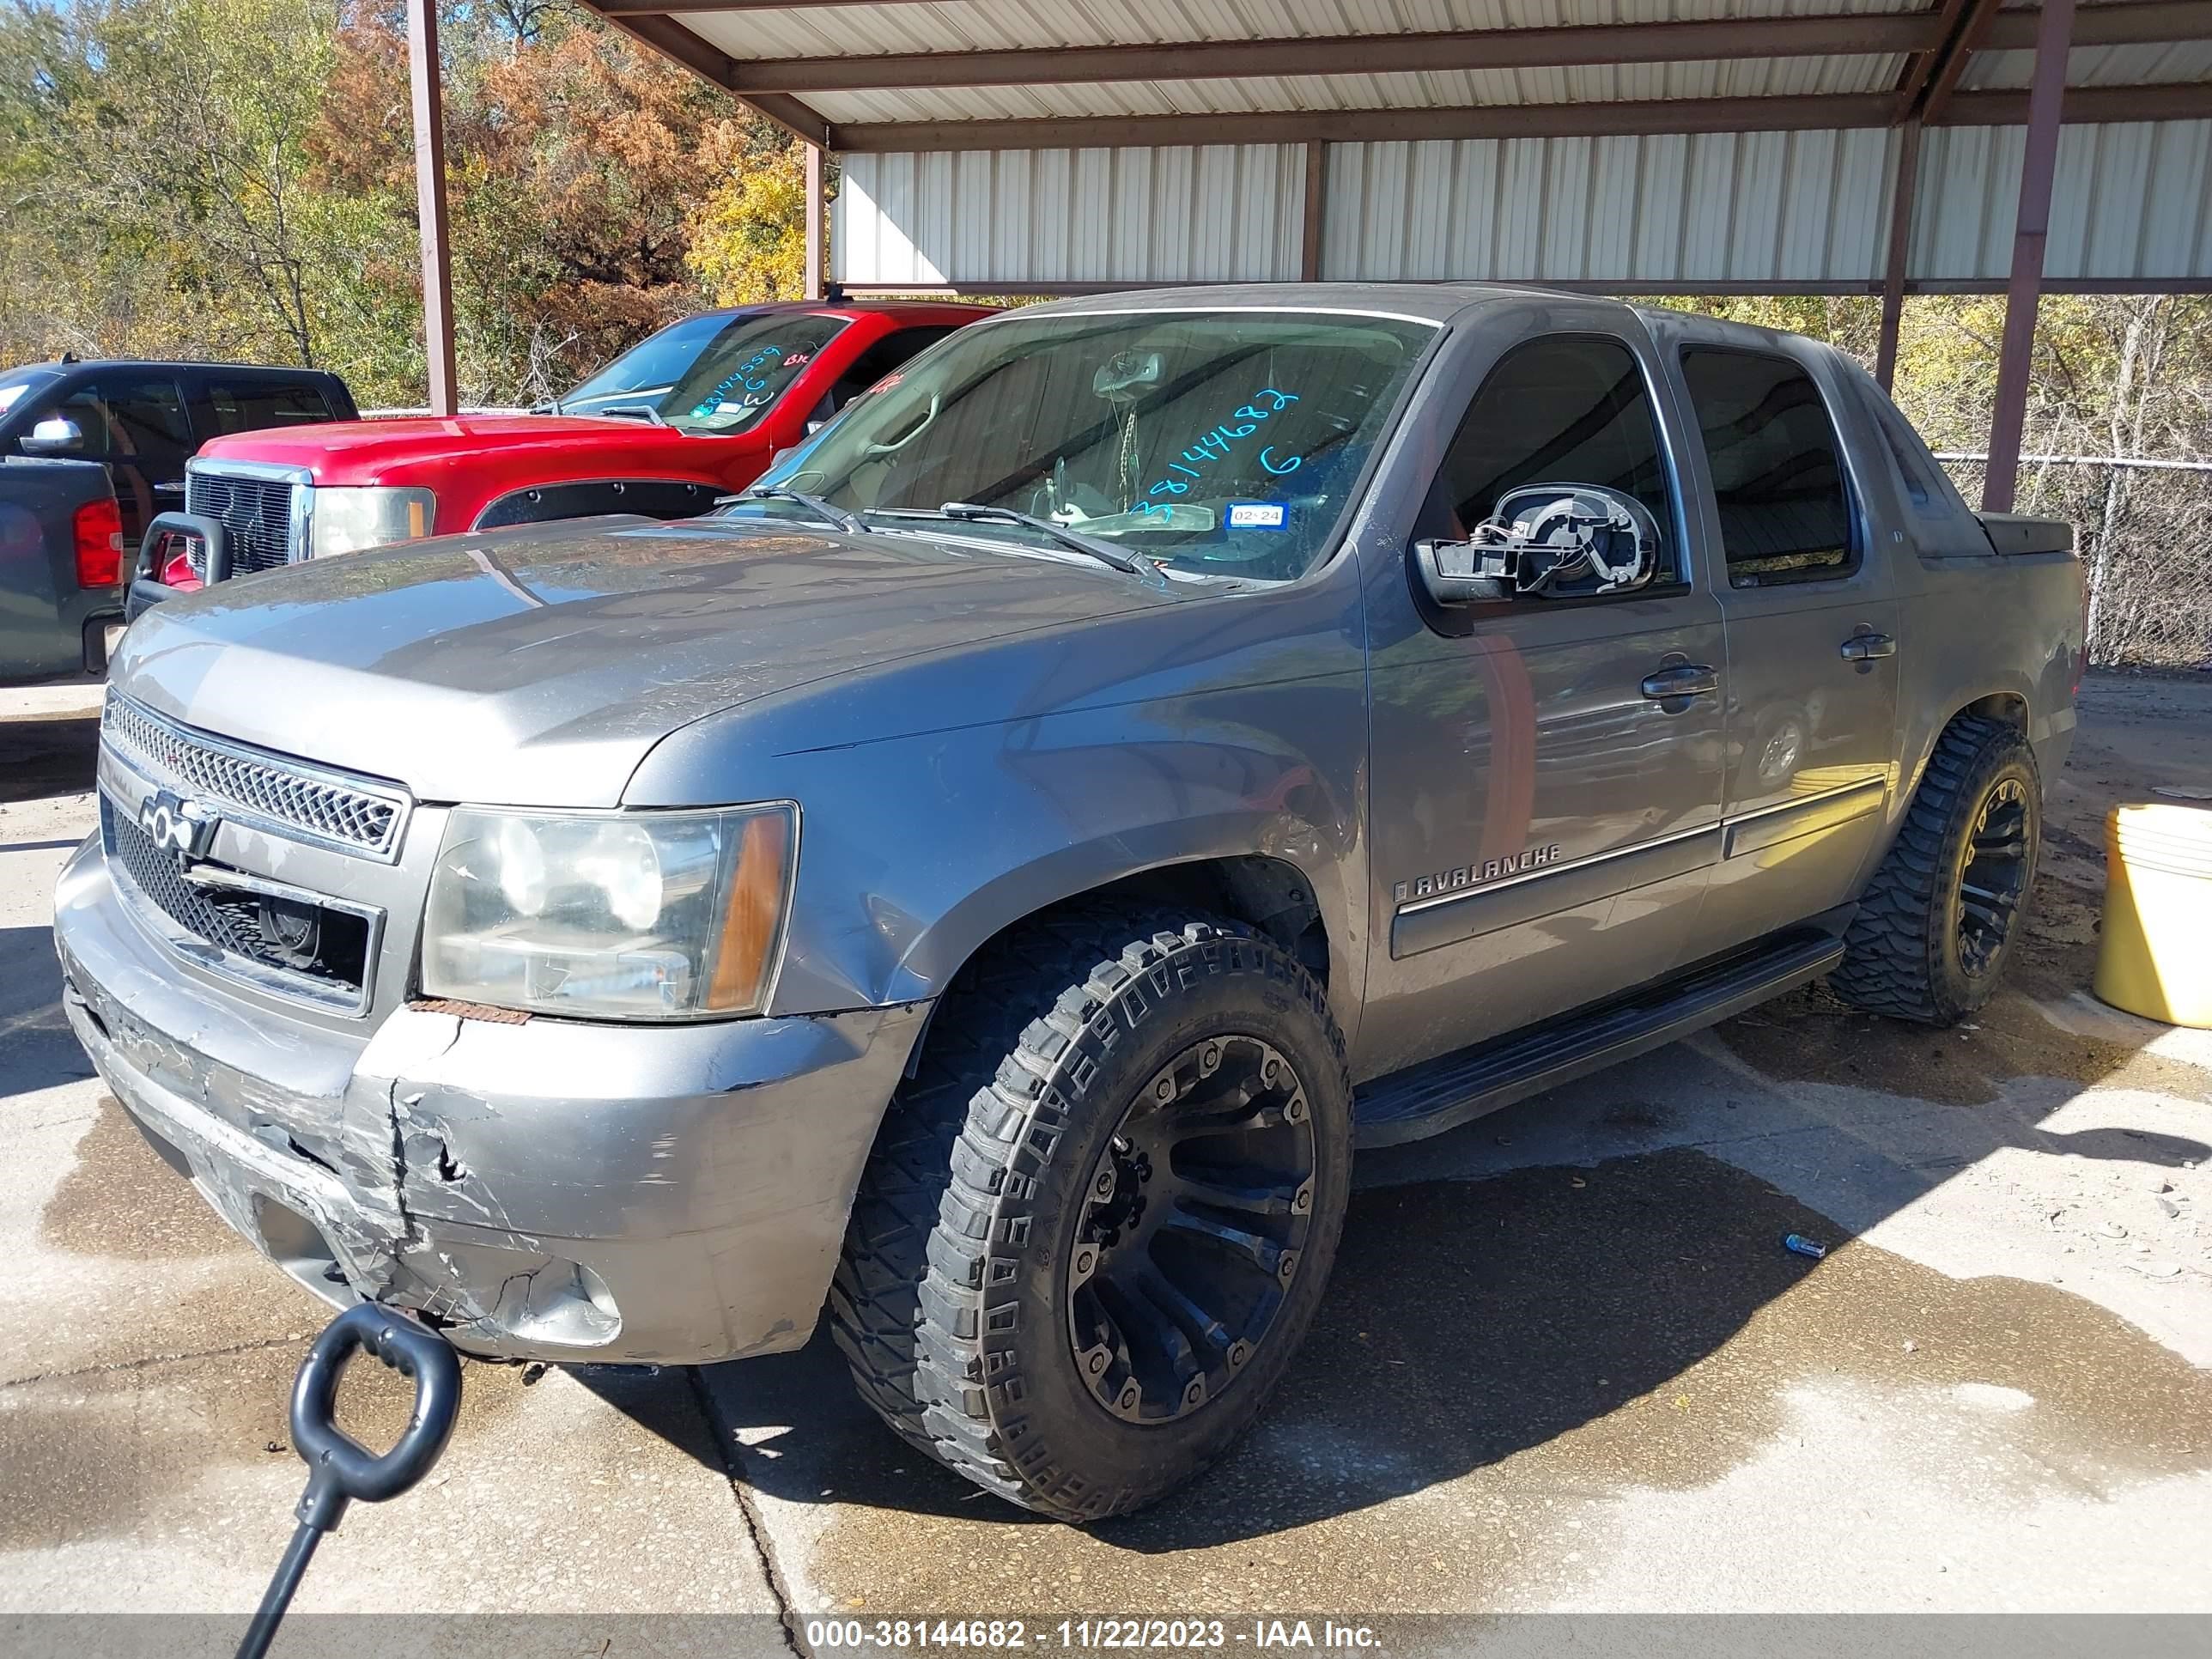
<point>550,1190</point>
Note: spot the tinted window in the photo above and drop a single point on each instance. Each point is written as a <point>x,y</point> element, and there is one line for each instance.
<point>886,354</point>
<point>871,365</point>
<point>1777,477</point>
<point>132,419</point>
<point>1929,486</point>
<point>1564,410</point>
<point>250,405</point>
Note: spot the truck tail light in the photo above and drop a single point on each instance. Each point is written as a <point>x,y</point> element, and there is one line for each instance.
<point>98,532</point>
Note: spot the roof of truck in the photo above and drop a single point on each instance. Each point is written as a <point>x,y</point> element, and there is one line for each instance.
<point>1426,302</point>
<point>75,365</point>
<point>1435,302</point>
<point>911,308</point>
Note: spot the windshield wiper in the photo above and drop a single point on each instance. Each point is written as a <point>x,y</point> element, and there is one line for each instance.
<point>974,512</point>
<point>821,510</point>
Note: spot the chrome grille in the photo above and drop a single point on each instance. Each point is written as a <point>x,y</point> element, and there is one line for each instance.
<point>257,511</point>
<point>253,786</point>
<point>228,927</point>
<point>228,920</point>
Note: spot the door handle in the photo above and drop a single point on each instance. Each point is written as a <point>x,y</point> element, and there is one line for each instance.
<point>1865,647</point>
<point>1682,679</point>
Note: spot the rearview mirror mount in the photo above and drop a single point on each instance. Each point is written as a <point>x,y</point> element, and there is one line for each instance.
<point>1546,539</point>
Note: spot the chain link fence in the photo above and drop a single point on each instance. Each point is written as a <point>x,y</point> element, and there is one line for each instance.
<point>2144,531</point>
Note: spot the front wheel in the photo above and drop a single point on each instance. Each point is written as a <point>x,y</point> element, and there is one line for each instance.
<point>1944,914</point>
<point>1103,1213</point>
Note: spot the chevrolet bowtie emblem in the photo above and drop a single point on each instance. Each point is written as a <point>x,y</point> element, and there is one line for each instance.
<point>182,828</point>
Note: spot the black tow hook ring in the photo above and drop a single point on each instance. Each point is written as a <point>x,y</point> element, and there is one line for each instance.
<point>339,1467</point>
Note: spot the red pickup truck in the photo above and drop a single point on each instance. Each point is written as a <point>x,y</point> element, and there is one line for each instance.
<point>694,411</point>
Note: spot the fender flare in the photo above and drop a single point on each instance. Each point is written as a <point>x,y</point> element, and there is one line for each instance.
<point>938,953</point>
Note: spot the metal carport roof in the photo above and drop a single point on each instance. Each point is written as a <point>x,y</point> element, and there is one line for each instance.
<point>1636,145</point>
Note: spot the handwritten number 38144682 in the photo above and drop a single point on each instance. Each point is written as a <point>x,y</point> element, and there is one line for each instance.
<point>1216,445</point>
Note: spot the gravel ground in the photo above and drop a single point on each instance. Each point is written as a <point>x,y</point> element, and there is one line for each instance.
<point>1564,1364</point>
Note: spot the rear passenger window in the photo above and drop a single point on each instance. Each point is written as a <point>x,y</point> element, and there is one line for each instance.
<point>248,407</point>
<point>141,420</point>
<point>1777,474</point>
<point>880,359</point>
<point>1929,487</point>
<point>1572,408</point>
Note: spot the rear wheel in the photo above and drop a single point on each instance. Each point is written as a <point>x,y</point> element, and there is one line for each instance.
<point>1945,912</point>
<point>1102,1215</point>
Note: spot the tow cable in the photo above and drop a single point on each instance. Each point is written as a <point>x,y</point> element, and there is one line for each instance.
<point>339,1467</point>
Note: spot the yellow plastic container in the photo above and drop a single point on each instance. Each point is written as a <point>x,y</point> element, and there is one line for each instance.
<point>2155,956</point>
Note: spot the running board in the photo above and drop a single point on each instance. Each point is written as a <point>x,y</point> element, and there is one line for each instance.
<point>1453,1089</point>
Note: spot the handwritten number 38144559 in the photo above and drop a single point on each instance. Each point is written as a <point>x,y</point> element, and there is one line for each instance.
<point>1215,445</point>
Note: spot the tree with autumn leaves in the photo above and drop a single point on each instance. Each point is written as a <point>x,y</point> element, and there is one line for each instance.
<point>235,178</point>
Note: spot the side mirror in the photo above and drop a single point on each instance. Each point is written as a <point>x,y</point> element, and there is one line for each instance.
<point>1452,573</point>
<point>55,436</point>
<point>1546,539</point>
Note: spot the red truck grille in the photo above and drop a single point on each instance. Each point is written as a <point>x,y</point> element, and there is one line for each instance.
<point>257,511</point>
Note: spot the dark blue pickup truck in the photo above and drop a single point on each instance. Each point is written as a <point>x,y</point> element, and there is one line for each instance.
<point>61,554</point>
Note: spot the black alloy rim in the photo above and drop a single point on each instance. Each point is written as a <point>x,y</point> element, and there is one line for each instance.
<point>1193,1225</point>
<point>1995,880</point>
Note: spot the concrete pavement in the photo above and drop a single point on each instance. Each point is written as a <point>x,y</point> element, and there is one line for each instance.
<point>1564,1364</point>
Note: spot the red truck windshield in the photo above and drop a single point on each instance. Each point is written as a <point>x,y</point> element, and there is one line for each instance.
<point>709,381</point>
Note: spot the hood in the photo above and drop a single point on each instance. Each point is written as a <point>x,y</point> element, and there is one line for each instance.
<point>379,451</point>
<point>537,667</point>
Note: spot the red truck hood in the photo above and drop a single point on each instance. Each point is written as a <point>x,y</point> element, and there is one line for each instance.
<point>392,452</point>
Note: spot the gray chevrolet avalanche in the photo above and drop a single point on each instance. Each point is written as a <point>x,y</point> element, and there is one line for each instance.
<point>986,880</point>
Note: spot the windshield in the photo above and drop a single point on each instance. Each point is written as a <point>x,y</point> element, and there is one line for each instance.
<point>709,374</point>
<point>16,384</point>
<point>1225,443</point>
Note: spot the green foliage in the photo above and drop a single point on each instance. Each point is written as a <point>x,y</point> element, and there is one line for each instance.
<point>749,236</point>
<point>235,178</point>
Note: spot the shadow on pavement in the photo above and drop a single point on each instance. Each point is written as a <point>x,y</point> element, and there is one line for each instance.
<point>30,973</point>
<point>48,757</point>
<point>1464,1322</point>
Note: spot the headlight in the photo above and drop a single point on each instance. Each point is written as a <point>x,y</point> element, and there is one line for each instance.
<point>346,518</point>
<point>617,916</point>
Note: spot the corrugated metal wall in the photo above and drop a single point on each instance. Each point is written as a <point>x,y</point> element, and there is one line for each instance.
<point>1725,207</point>
<point>1212,213</point>
<point>2129,201</point>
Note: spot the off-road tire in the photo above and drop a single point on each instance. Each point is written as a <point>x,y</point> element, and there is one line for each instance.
<point>950,1300</point>
<point>1904,947</point>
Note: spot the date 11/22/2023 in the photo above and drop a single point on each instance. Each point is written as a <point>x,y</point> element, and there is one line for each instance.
<point>1097,1631</point>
